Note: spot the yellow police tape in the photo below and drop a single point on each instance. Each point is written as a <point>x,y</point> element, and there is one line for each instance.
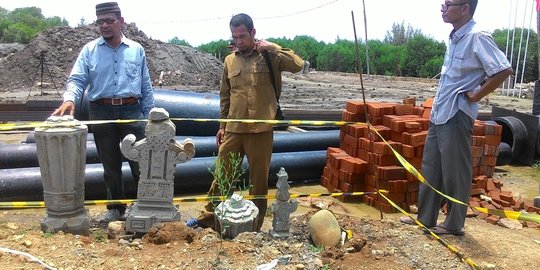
<point>501,213</point>
<point>28,125</point>
<point>426,229</point>
<point>41,204</point>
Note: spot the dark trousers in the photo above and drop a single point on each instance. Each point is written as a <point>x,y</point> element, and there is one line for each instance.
<point>108,137</point>
<point>447,166</point>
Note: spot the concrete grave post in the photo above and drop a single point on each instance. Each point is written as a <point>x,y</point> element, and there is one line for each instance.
<point>61,152</point>
<point>157,155</point>
<point>282,207</point>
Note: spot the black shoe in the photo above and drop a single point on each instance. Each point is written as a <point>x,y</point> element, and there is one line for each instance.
<point>113,215</point>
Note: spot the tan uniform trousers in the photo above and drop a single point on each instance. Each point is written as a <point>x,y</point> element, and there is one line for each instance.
<point>258,149</point>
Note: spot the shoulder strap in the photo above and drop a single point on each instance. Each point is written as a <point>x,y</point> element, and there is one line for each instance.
<point>271,70</point>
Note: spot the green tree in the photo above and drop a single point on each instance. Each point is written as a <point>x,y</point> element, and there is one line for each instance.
<point>385,58</point>
<point>283,42</point>
<point>308,48</point>
<point>23,24</point>
<point>530,69</point>
<point>418,51</point>
<point>218,48</point>
<point>339,56</point>
<point>399,35</point>
<point>176,41</point>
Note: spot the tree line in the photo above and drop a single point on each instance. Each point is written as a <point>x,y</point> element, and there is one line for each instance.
<point>23,24</point>
<point>404,51</point>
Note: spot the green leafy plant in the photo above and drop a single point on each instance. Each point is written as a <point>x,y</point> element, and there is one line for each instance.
<point>101,237</point>
<point>227,174</point>
<point>315,249</point>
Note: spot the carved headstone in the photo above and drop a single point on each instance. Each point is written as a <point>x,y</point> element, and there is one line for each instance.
<point>61,154</point>
<point>157,155</point>
<point>282,207</point>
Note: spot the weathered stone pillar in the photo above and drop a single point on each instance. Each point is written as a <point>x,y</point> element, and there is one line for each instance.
<point>61,153</point>
<point>157,155</point>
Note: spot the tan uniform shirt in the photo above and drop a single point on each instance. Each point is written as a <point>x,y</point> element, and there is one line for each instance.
<point>246,89</point>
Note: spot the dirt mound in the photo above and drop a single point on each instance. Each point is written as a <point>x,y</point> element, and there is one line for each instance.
<point>162,233</point>
<point>181,66</point>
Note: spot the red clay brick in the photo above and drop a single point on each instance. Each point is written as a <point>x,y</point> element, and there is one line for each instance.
<point>357,178</point>
<point>489,161</point>
<point>387,160</point>
<point>507,197</point>
<point>357,130</point>
<point>530,224</point>
<point>424,123</point>
<point>477,192</point>
<point>478,141</point>
<point>407,151</point>
<point>497,183</point>
<point>492,219</point>
<point>478,129</point>
<point>355,106</point>
<point>490,185</point>
<point>404,109</point>
<point>414,139</point>
<point>428,103</point>
<point>477,151</point>
<point>493,139</point>
<point>426,113</point>
<point>390,173</point>
<point>353,165</point>
<point>382,148</point>
<point>409,100</point>
<point>491,150</point>
<point>384,131</point>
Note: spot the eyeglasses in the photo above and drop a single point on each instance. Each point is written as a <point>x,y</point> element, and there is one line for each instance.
<point>100,22</point>
<point>445,6</point>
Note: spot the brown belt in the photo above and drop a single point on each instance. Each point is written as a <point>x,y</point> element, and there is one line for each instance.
<point>117,101</point>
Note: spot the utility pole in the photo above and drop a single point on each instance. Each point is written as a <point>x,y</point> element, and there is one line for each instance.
<point>537,31</point>
<point>536,100</point>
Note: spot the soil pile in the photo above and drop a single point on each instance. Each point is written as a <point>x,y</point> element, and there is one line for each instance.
<point>59,48</point>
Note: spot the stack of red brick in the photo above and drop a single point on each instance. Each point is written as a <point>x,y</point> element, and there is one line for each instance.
<point>487,193</point>
<point>364,162</point>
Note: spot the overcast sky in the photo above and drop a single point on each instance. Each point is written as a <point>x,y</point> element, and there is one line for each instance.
<point>203,21</point>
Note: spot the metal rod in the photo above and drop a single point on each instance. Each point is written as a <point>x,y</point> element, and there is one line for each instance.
<point>359,65</point>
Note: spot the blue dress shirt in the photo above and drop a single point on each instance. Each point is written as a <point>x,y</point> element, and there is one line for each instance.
<point>109,72</point>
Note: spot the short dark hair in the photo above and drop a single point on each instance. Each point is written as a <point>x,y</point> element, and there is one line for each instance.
<point>240,19</point>
<point>472,6</point>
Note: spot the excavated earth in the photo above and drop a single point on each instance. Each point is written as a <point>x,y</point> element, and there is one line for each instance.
<point>376,243</point>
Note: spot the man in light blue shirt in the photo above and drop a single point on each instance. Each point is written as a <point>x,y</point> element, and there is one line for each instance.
<point>114,70</point>
<point>473,67</point>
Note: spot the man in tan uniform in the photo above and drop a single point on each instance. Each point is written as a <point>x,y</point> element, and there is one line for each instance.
<point>247,93</point>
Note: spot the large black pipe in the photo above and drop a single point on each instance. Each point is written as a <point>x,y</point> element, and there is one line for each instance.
<point>536,99</point>
<point>24,155</point>
<point>179,104</point>
<point>24,184</point>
